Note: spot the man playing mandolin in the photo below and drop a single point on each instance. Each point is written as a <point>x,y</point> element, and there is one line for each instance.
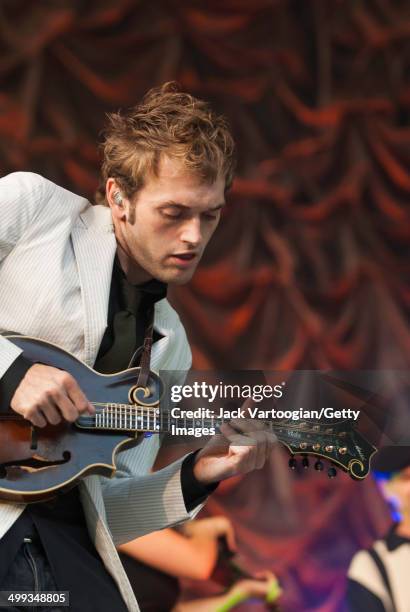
<point>93,280</point>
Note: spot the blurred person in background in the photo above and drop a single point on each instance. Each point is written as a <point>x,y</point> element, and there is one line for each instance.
<point>378,578</point>
<point>154,564</point>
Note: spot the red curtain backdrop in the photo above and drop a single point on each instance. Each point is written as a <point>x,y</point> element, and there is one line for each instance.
<point>309,267</point>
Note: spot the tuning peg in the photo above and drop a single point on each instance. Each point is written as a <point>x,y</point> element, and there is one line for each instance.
<point>318,465</point>
<point>305,462</point>
<point>292,463</point>
<point>332,472</point>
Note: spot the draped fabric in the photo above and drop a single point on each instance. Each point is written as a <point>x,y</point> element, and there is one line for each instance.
<point>309,267</point>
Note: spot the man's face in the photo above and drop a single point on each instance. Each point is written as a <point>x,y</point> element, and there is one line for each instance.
<point>168,224</point>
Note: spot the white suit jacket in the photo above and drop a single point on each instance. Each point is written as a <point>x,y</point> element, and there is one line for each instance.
<point>56,258</point>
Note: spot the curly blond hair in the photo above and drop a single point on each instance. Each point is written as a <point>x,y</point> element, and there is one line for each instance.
<point>171,122</point>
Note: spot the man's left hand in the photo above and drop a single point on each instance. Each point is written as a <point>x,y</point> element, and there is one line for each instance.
<point>243,445</point>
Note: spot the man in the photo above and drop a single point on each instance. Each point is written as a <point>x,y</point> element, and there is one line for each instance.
<point>88,278</point>
<point>378,577</point>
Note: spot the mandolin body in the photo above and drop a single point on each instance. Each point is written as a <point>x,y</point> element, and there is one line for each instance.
<point>38,463</point>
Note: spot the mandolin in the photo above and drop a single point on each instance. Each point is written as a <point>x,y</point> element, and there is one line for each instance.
<point>36,464</point>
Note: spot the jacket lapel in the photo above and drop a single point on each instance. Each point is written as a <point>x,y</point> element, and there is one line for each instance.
<point>94,246</point>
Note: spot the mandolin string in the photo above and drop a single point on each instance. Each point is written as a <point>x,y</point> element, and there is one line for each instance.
<point>148,420</point>
<point>131,410</point>
<point>112,406</point>
<point>133,407</point>
<point>145,424</point>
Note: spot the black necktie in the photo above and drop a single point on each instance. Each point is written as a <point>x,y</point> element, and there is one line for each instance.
<point>129,314</point>
<point>124,329</point>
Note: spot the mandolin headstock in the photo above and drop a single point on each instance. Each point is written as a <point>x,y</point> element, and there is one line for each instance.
<point>339,443</point>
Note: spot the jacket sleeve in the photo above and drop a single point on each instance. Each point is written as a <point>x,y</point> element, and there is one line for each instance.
<point>21,195</point>
<point>11,380</point>
<point>140,504</point>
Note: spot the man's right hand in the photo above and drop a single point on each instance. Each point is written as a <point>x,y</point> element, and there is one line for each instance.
<point>49,395</point>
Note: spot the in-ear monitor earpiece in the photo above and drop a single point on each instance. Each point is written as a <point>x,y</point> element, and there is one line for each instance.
<point>117,198</point>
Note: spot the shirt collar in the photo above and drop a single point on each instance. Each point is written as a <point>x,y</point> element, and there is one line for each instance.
<point>156,290</point>
<point>393,540</point>
<point>154,287</point>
